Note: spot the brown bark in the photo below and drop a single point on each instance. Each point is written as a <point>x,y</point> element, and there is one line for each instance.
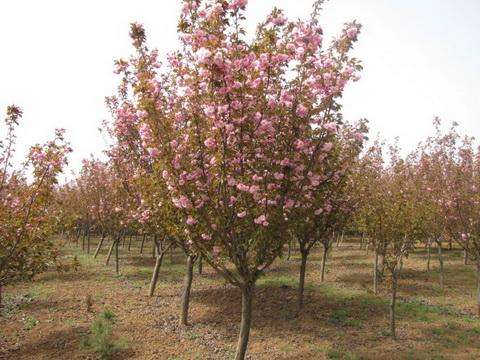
<point>187,286</point>
<point>200,266</point>
<point>429,248</point>
<point>478,285</point>
<point>375,273</point>
<point>324,260</point>
<point>110,251</point>
<point>301,283</point>
<point>440,263</point>
<point>392,305</point>
<point>143,243</point>
<point>246,322</point>
<point>99,245</point>
<point>117,269</point>
<point>156,270</point>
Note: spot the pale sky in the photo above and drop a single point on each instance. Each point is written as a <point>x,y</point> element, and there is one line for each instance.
<point>421,59</point>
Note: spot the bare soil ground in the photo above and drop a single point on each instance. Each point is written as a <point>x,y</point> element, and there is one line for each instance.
<point>342,319</point>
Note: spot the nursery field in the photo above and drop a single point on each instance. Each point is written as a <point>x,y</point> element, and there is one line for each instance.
<point>342,318</point>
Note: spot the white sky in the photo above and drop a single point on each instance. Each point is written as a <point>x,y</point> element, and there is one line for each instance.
<point>421,59</point>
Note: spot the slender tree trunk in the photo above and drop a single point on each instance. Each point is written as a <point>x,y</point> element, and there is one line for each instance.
<point>289,249</point>
<point>478,285</point>
<point>440,263</point>
<point>375,273</point>
<point>154,247</point>
<point>187,286</point>
<point>143,243</point>
<point>200,266</point>
<point>117,270</point>
<point>1,296</point>
<point>110,251</point>
<point>324,260</point>
<point>301,283</point>
<point>362,239</point>
<point>83,242</point>
<point>392,305</point>
<point>156,270</point>
<point>88,241</point>
<point>245,325</point>
<point>429,250</point>
<point>171,255</point>
<point>99,245</point>
<point>465,253</point>
<point>130,242</point>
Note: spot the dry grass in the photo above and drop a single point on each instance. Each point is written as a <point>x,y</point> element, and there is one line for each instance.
<point>342,318</point>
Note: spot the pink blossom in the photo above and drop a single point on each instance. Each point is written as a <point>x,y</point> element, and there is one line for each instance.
<point>352,32</point>
<point>210,143</point>
<point>242,214</point>
<point>327,147</point>
<point>302,111</point>
<point>191,221</point>
<point>203,55</point>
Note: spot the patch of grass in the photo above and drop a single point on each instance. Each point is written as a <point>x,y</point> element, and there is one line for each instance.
<point>342,317</point>
<point>29,322</point>
<point>101,339</point>
<point>279,281</point>
<point>339,354</point>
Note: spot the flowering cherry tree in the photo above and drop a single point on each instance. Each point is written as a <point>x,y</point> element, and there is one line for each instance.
<point>236,129</point>
<point>27,219</point>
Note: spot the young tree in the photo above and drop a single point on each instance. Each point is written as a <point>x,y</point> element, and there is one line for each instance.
<point>27,220</point>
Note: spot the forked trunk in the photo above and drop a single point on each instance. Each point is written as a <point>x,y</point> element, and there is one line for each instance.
<point>246,322</point>
<point>301,283</point>
<point>187,286</point>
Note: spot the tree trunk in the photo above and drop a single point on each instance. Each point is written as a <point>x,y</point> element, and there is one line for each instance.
<point>156,270</point>
<point>429,250</point>
<point>110,251</point>
<point>117,270</point>
<point>130,242</point>
<point>83,242</point>
<point>247,297</point>
<point>440,263</point>
<point>289,249</point>
<point>392,305</point>
<point>324,260</point>
<point>99,245</point>
<point>375,273</point>
<point>200,266</point>
<point>187,285</point>
<point>301,283</point>
<point>143,243</point>
<point>88,241</point>
<point>478,285</point>
<point>1,297</point>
